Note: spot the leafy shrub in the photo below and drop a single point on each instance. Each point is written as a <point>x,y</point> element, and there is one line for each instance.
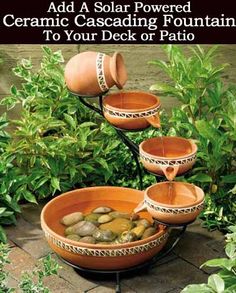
<point>208,115</point>
<point>30,281</point>
<point>54,145</point>
<point>225,280</point>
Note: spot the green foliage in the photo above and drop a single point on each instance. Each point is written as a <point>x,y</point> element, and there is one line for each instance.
<point>30,281</point>
<point>48,268</point>
<point>54,146</point>
<point>207,115</point>
<point>225,280</point>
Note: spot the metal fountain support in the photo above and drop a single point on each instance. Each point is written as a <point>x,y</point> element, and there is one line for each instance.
<point>181,228</point>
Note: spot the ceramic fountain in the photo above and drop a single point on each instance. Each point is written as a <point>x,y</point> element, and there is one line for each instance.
<point>171,203</point>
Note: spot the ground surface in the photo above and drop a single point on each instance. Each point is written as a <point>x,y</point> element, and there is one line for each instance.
<point>174,272</point>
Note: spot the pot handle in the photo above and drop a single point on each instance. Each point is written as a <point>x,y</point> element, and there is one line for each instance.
<point>170,171</point>
<point>140,207</point>
<point>154,120</point>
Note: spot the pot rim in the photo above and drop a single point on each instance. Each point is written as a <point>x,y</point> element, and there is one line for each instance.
<point>193,145</point>
<point>45,228</point>
<point>106,104</point>
<point>200,196</point>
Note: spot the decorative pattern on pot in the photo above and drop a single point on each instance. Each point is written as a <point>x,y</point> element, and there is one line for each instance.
<point>136,249</point>
<point>173,202</point>
<point>169,156</point>
<point>132,110</point>
<point>92,73</point>
<point>100,72</point>
<point>175,211</point>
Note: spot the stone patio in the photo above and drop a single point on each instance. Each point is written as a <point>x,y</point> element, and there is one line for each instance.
<point>173,273</point>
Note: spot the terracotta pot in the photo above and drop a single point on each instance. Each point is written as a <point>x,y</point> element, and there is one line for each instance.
<point>132,110</point>
<point>92,73</point>
<point>168,155</point>
<point>94,256</point>
<point>173,202</point>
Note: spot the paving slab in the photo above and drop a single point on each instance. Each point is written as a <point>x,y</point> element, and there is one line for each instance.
<point>196,248</point>
<point>110,289</point>
<point>74,278</point>
<point>167,277</point>
<point>20,261</point>
<point>28,237</point>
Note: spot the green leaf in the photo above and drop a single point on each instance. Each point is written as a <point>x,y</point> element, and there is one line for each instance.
<point>216,283</point>
<point>198,288</point>
<point>229,178</point>
<point>3,236</point>
<point>55,183</point>
<point>29,196</point>
<point>14,90</point>
<point>87,124</point>
<point>230,250</point>
<point>223,263</point>
<point>163,88</point>
<point>70,120</point>
<point>201,177</point>
<point>206,130</point>
<point>231,289</point>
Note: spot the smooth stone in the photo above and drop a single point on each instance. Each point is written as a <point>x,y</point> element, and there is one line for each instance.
<point>104,219</point>
<point>117,226</point>
<point>127,236</point>
<point>134,217</point>
<point>92,218</point>
<point>117,214</point>
<point>104,235</point>
<point>88,239</point>
<point>72,218</point>
<point>73,237</point>
<point>102,210</point>
<point>74,229</point>
<point>87,229</point>
<point>144,222</point>
<point>149,232</point>
<point>138,231</point>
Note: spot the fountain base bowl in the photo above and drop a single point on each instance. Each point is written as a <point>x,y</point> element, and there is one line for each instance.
<point>94,256</point>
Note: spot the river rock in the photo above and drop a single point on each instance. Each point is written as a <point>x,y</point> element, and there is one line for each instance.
<point>104,235</point>
<point>104,219</point>
<point>117,226</point>
<point>144,222</point>
<point>149,232</point>
<point>92,218</point>
<point>88,239</point>
<point>72,218</point>
<point>102,210</point>
<point>87,229</point>
<point>127,236</point>
<point>138,231</point>
<point>74,229</point>
<point>73,237</point>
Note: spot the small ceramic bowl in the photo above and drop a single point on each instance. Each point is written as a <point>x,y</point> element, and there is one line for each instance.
<point>173,202</point>
<point>97,256</point>
<point>132,110</point>
<point>168,155</point>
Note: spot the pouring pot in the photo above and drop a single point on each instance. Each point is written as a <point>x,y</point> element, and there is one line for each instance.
<point>168,155</point>
<point>92,73</point>
<point>173,202</point>
<point>132,110</point>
